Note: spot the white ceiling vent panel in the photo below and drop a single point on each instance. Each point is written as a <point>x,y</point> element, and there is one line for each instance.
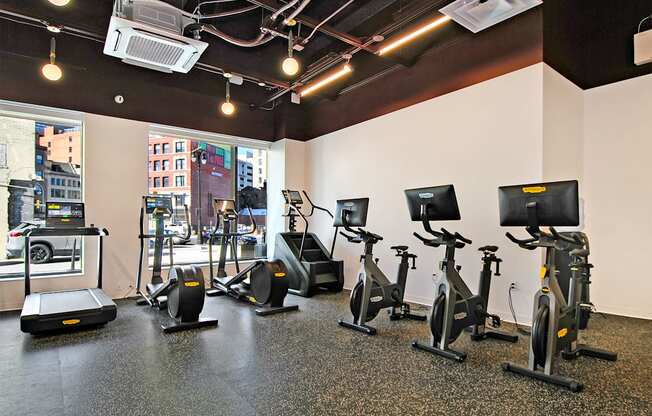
<point>149,33</point>
<point>477,15</point>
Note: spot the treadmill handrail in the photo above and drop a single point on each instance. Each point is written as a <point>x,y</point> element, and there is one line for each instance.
<point>100,233</point>
<point>66,232</point>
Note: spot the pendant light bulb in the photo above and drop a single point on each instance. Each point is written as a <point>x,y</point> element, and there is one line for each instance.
<point>52,71</point>
<point>290,65</point>
<point>227,106</point>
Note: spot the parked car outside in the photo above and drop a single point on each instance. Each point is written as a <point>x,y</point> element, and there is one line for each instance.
<point>43,249</point>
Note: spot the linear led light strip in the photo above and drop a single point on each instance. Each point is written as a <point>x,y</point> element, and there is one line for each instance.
<point>412,35</point>
<point>339,74</point>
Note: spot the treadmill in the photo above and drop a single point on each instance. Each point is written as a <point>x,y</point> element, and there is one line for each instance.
<point>67,309</point>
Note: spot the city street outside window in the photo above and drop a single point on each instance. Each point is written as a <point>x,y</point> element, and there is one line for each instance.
<point>40,162</point>
<point>214,170</point>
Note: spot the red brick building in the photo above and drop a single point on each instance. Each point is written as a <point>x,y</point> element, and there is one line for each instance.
<point>172,172</point>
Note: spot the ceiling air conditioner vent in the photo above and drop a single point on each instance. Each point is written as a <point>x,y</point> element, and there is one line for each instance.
<point>477,15</point>
<point>149,33</point>
<point>153,50</point>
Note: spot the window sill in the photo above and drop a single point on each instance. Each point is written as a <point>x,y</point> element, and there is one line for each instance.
<point>13,278</point>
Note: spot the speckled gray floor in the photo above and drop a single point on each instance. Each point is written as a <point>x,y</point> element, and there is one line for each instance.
<point>302,363</point>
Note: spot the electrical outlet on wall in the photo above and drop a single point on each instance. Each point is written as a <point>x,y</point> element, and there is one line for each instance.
<point>513,286</point>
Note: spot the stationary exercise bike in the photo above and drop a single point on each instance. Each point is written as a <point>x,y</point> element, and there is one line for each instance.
<point>373,290</point>
<point>455,307</point>
<point>183,290</point>
<point>557,319</point>
<point>262,283</point>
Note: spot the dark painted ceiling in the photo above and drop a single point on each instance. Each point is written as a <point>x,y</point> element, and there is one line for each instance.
<point>447,59</point>
<point>591,42</point>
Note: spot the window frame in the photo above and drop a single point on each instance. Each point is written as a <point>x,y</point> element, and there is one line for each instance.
<point>213,139</point>
<point>73,119</point>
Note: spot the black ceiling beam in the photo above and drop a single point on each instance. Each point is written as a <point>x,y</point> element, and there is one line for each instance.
<point>273,5</point>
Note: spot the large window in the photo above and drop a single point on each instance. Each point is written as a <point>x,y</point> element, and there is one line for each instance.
<point>212,170</point>
<point>40,162</point>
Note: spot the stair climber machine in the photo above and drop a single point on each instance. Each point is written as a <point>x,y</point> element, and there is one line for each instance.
<point>183,290</point>
<point>557,316</point>
<point>311,268</point>
<point>262,283</point>
<point>373,291</point>
<point>455,307</point>
<point>65,309</point>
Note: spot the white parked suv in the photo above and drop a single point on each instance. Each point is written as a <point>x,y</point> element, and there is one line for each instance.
<point>43,249</point>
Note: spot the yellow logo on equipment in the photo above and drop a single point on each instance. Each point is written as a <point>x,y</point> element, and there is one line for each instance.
<point>279,274</point>
<point>562,333</point>
<point>251,299</point>
<point>545,290</point>
<point>543,272</point>
<point>191,284</point>
<point>71,321</point>
<point>534,189</point>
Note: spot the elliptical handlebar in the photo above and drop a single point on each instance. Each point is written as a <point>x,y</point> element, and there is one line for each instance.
<point>314,207</point>
<point>252,230</point>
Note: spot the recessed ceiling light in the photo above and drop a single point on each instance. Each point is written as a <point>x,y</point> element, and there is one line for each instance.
<point>59,2</point>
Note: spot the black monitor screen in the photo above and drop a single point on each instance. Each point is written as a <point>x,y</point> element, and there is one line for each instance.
<point>440,203</point>
<point>160,202</point>
<point>292,197</point>
<point>64,214</point>
<point>557,204</point>
<point>355,211</point>
<point>221,206</point>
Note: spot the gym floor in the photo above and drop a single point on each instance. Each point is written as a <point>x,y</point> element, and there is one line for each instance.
<point>302,363</point>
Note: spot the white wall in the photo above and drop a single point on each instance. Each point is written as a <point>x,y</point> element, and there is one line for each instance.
<point>478,138</point>
<point>287,160</point>
<point>563,127</point>
<point>617,174</point>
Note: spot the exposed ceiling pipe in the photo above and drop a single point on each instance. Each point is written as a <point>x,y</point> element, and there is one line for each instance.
<point>261,39</point>
<point>278,12</point>
<point>323,22</point>
<point>296,12</point>
<point>227,12</point>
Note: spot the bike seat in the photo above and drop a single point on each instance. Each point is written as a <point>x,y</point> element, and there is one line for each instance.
<point>399,248</point>
<point>579,252</point>
<point>492,249</point>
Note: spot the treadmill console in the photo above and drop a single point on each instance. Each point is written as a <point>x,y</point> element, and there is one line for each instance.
<point>158,203</point>
<point>64,215</point>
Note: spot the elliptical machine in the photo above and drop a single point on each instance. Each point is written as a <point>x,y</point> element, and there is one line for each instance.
<point>262,283</point>
<point>183,290</point>
<point>373,290</point>
<point>455,307</point>
<point>556,319</point>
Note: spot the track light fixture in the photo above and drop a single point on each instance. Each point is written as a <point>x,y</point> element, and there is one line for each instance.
<point>53,28</point>
<point>227,107</point>
<point>394,44</point>
<point>52,71</point>
<point>346,69</point>
<point>59,3</point>
<point>290,64</point>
